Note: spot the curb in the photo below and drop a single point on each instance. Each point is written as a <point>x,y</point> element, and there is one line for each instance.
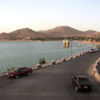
<point>94,70</point>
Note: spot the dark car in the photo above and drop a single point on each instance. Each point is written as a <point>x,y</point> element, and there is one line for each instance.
<point>81,83</point>
<point>21,71</point>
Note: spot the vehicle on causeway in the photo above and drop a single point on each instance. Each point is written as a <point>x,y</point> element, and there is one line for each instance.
<point>81,83</point>
<point>20,71</point>
<point>93,50</point>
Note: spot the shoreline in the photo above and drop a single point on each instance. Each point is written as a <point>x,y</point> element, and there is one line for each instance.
<point>84,41</point>
<point>27,40</point>
<point>87,42</point>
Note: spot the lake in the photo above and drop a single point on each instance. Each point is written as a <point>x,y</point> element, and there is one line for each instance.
<point>15,54</point>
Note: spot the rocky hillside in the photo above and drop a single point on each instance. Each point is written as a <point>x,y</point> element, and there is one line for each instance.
<point>55,33</point>
<point>96,34</point>
<point>62,31</point>
<point>24,33</point>
<point>90,32</point>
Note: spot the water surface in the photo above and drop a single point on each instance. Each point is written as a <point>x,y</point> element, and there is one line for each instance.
<point>15,54</point>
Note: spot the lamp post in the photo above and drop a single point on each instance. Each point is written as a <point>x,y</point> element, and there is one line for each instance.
<point>71,45</point>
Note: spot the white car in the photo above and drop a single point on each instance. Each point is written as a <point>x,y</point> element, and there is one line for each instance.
<point>93,50</point>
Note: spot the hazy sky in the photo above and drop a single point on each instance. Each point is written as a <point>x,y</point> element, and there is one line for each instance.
<point>46,14</point>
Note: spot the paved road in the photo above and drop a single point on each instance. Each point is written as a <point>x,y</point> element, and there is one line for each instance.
<point>51,83</point>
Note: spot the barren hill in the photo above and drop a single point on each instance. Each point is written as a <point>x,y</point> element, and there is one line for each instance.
<point>55,33</point>
<point>63,31</point>
<point>4,36</point>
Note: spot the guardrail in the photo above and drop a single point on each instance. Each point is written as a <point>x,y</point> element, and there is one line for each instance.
<point>95,72</point>
<point>39,66</point>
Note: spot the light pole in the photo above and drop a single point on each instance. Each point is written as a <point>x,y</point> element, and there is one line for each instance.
<point>71,47</point>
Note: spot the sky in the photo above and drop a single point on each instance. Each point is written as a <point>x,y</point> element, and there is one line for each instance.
<point>46,14</point>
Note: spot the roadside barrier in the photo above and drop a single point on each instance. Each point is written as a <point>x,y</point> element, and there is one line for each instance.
<point>38,66</point>
<point>53,62</point>
<point>63,59</point>
<point>95,72</point>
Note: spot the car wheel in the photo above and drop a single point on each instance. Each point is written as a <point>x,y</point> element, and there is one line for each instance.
<point>28,74</point>
<point>16,77</point>
<point>76,88</point>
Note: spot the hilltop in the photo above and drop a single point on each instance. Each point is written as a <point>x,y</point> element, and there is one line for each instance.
<point>55,33</point>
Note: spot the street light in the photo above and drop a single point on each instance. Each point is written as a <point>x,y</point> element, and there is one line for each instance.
<point>71,46</point>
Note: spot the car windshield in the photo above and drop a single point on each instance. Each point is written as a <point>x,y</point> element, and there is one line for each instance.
<point>83,81</point>
<point>17,70</point>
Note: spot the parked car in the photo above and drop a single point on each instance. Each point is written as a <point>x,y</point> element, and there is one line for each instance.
<point>21,71</point>
<point>81,83</point>
<point>93,50</point>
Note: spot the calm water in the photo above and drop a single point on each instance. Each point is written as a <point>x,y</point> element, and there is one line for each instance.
<point>15,54</point>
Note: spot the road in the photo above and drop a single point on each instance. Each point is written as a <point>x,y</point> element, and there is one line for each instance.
<point>52,83</point>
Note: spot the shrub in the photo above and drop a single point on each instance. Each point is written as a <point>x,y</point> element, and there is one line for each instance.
<point>10,69</point>
<point>42,60</point>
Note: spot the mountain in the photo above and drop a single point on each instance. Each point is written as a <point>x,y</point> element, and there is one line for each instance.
<point>24,33</point>
<point>62,32</point>
<point>93,33</point>
<point>4,36</point>
<point>96,34</point>
<point>89,32</point>
<point>55,33</point>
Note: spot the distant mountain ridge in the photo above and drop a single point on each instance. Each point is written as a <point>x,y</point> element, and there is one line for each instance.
<point>63,31</point>
<point>57,32</point>
<point>90,32</point>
